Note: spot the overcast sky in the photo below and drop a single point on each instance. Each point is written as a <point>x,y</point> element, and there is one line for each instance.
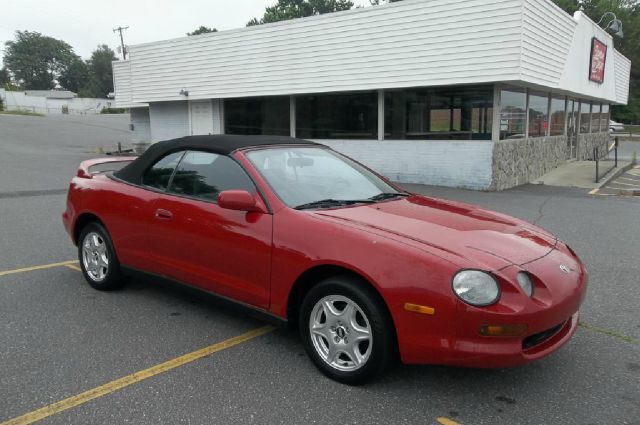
<point>86,23</point>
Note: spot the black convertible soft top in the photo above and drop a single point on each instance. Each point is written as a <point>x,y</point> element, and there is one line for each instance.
<point>220,144</point>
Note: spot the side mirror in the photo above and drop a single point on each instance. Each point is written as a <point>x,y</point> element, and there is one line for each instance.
<point>237,200</point>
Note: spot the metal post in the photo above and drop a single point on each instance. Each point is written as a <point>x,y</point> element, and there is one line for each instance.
<point>616,152</point>
<point>595,158</point>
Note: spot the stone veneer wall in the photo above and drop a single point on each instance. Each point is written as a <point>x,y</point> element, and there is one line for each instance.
<point>519,161</point>
<point>586,143</point>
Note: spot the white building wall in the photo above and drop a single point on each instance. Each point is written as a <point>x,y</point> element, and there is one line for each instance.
<point>169,120</point>
<point>622,76</point>
<point>547,35</point>
<point>451,163</point>
<point>403,44</point>
<point>122,83</point>
<point>575,77</point>
<point>218,117</point>
<point>141,125</point>
<point>19,101</point>
<point>412,43</point>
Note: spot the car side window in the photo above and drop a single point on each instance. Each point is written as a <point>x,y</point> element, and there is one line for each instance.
<point>204,175</point>
<point>159,175</point>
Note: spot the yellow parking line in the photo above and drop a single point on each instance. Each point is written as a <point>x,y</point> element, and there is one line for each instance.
<point>443,421</point>
<point>594,191</point>
<point>125,381</point>
<point>41,267</point>
<point>72,267</point>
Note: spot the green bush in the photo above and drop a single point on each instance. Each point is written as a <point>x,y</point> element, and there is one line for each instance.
<point>1,105</point>
<point>114,111</point>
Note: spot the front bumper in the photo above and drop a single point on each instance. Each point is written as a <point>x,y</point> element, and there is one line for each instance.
<point>551,317</point>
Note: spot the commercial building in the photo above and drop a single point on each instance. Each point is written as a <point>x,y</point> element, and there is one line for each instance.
<point>483,94</point>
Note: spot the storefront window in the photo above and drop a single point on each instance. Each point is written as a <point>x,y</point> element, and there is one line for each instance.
<point>557,117</point>
<point>447,113</point>
<point>538,115</point>
<point>585,117</point>
<point>337,116</point>
<point>604,118</point>
<point>257,115</point>
<point>513,107</point>
<point>595,118</point>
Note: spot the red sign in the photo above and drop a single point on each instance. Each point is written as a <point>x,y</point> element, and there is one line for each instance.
<point>598,61</point>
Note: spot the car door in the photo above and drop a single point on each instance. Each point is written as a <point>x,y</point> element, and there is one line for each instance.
<point>199,243</point>
<point>127,214</point>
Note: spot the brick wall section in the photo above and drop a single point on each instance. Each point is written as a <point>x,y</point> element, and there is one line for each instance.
<point>519,161</point>
<point>587,142</point>
<point>464,164</point>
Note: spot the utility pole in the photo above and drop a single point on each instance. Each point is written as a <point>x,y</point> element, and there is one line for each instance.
<point>124,50</point>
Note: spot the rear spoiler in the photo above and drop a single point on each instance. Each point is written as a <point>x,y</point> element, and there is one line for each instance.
<point>85,172</point>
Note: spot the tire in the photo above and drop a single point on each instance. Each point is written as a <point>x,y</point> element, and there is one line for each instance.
<point>98,259</point>
<point>340,308</point>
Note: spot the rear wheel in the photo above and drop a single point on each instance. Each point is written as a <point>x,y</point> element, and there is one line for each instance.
<point>98,259</point>
<point>346,331</point>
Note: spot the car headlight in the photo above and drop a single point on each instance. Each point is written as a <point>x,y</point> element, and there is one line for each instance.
<point>525,283</point>
<point>476,288</point>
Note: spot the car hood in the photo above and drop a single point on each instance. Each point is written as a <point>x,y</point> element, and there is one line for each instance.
<point>485,238</point>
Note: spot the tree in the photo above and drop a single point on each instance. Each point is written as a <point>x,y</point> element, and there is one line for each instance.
<point>101,71</point>
<point>202,30</point>
<point>291,9</point>
<point>75,76</point>
<point>5,78</point>
<point>36,61</point>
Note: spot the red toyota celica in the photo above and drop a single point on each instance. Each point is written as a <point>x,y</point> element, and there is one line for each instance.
<point>365,269</point>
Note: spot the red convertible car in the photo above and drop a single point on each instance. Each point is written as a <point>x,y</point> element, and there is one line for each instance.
<point>365,269</point>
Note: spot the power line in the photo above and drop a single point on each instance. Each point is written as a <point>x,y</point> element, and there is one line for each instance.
<point>124,50</point>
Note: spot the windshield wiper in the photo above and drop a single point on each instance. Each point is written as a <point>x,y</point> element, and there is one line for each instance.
<point>390,195</point>
<point>333,203</point>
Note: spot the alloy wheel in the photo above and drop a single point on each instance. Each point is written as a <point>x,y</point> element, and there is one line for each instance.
<point>95,256</point>
<point>341,333</point>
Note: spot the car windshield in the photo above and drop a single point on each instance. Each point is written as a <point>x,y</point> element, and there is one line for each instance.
<point>314,177</point>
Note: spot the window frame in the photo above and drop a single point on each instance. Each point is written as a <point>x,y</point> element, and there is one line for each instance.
<point>257,187</point>
<point>198,198</point>
<point>155,189</point>
<point>540,95</point>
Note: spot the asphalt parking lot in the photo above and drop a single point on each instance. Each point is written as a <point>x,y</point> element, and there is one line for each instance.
<point>153,354</point>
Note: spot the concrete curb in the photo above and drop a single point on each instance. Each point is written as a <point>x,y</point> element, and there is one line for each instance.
<point>614,174</point>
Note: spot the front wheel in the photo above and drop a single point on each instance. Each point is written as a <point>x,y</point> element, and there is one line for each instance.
<point>346,330</point>
<point>98,259</point>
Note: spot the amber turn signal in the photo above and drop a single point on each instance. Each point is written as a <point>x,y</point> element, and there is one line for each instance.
<point>422,309</point>
<point>503,330</point>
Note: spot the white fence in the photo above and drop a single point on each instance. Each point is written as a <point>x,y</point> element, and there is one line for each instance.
<point>18,101</point>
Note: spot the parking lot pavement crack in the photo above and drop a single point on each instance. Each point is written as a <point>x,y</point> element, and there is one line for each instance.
<point>541,210</point>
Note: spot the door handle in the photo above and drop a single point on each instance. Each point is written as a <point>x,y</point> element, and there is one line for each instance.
<point>163,214</point>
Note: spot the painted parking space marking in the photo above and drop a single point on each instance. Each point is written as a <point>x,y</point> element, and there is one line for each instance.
<point>446,421</point>
<point>625,184</point>
<point>613,334</point>
<point>40,267</point>
<point>125,381</point>
<point>73,267</point>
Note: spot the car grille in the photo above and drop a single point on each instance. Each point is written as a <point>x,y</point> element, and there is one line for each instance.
<point>539,338</point>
